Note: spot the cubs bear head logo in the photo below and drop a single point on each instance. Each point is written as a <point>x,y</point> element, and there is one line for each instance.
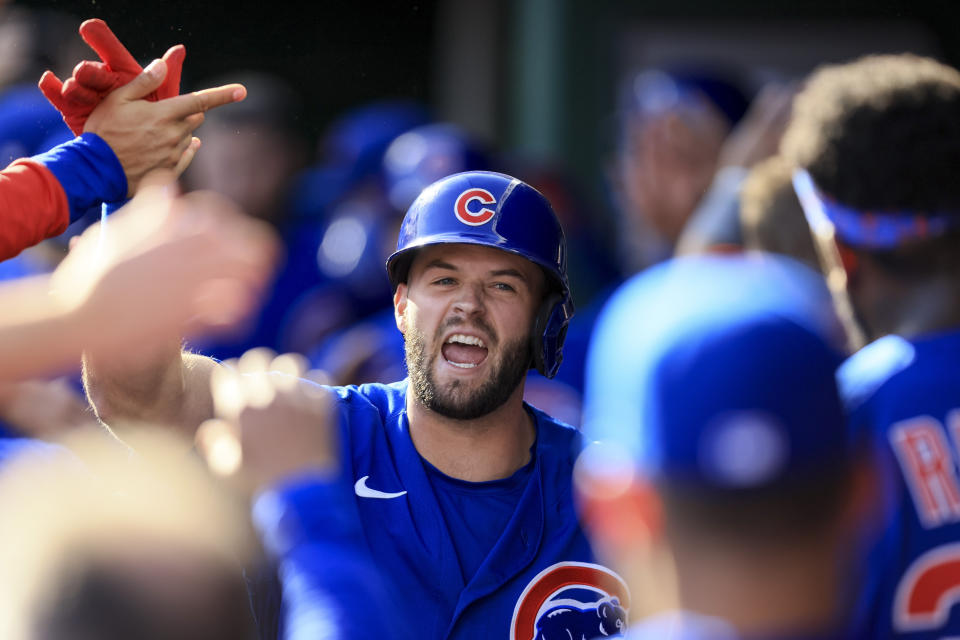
<point>477,200</point>
<point>571,600</point>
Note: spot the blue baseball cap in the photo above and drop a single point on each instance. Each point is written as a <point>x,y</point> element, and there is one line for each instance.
<point>657,90</point>
<point>423,155</point>
<point>716,371</point>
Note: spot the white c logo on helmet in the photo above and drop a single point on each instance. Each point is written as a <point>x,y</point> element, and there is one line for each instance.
<point>461,207</point>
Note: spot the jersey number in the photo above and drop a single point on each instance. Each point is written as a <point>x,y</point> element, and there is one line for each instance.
<point>931,585</point>
<point>928,466</point>
<point>927,591</point>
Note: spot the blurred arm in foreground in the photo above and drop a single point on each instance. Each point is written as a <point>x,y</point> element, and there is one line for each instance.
<point>167,264</point>
<point>275,438</point>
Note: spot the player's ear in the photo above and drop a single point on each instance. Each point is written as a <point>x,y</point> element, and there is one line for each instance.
<point>849,259</point>
<point>619,512</point>
<point>400,307</point>
<point>864,504</point>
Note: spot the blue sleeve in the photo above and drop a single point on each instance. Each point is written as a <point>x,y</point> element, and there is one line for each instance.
<point>330,586</point>
<point>89,172</point>
<point>109,208</point>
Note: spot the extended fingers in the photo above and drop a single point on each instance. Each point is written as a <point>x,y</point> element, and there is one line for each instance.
<point>101,39</point>
<point>187,156</point>
<point>193,121</point>
<point>201,101</point>
<point>171,85</point>
<point>79,95</point>
<point>96,76</point>
<point>51,87</point>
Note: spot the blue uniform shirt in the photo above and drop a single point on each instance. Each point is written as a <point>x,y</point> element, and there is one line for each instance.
<point>906,396</point>
<point>539,578</point>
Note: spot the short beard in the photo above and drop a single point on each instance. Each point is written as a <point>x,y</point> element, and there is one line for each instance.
<point>453,401</point>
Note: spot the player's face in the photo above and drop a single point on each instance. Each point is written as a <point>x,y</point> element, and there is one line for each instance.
<point>466,313</point>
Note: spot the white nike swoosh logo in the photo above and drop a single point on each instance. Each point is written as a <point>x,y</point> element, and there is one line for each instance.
<point>366,492</point>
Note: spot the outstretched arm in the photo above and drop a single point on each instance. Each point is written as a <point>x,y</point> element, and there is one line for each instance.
<point>155,381</point>
<point>167,266</point>
<point>276,437</point>
<point>169,387</point>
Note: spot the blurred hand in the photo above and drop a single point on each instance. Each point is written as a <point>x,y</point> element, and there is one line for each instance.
<point>670,162</point>
<point>164,266</point>
<point>76,98</point>
<point>271,424</point>
<point>155,135</point>
<point>758,135</point>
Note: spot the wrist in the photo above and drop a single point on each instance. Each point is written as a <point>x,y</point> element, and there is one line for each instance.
<point>88,170</point>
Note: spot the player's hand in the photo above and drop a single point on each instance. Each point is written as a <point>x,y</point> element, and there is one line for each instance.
<point>673,157</point>
<point>758,135</point>
<point>92,81</point>
<point>155,135</point>
<point>164,266</point>
<point>271,423</point>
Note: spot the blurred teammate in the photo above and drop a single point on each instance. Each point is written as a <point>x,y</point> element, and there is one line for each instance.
<point>721,438</point>
<point>685,142</point>
<point>462,490</point>
<point>876,144</point>
<point>672,129</point>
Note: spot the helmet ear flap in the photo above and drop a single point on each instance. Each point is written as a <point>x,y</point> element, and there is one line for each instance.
<point>547,363</point>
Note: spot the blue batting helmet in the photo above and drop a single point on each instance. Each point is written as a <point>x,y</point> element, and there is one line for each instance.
<point>495,210</point>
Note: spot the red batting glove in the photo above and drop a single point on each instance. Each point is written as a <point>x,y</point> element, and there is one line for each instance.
<point>118,60</point>
<point>92,81</point>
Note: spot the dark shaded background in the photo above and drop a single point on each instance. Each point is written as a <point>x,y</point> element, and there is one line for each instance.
<point>342,54</point>
<point>337,54</point>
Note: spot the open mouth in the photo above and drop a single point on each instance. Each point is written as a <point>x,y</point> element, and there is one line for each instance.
<point>463,351</point>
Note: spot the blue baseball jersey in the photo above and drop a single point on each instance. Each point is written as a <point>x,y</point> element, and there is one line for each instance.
<point>905,395</point>
<point>538,580</point>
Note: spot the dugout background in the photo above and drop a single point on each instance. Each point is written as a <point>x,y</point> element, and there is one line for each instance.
<point>538,77</point>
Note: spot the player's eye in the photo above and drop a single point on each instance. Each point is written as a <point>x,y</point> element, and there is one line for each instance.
<point>503,286</point>
<point>444,282</point>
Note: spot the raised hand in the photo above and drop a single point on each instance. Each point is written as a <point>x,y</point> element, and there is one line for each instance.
<point>155,135</point>
<point>271,423</point>
<point>166,266</point>
<point>92,81</point>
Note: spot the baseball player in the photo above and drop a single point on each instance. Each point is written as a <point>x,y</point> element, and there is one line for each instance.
<point>876,145</point>
<point>463,492</point>
<point>719,435</point>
